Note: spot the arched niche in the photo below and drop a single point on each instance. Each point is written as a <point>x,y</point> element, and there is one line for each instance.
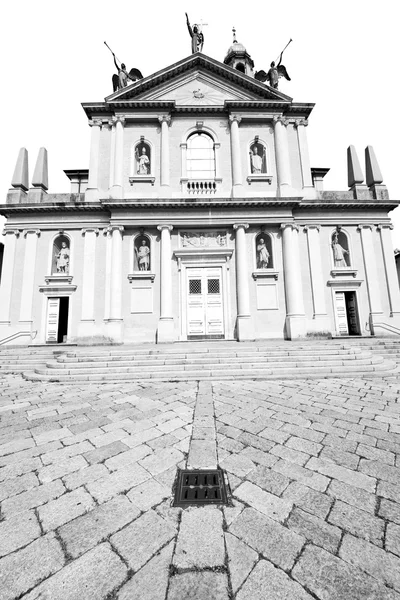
<point>258,157</point>
<point>264,251</point>
<point>142,253</point>
<point>142,158</point>
<point>340,249</point>
<point>60,263</point>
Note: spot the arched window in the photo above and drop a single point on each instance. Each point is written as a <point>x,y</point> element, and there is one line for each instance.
<point>258,158</point>
<point>264,255</point>
<point>340,249</point>
<point>240,67</point>
<point>142,158</point>
<point>200,156</point>
<point>61,256</point>
<point>142,253</point>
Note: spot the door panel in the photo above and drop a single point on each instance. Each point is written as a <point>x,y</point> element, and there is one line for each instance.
<point>205,315</point>
<point>53,310</point>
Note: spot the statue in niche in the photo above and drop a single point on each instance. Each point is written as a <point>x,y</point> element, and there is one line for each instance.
<point>339,253</point>
<point>262,254</point>
<point>143,256</point>
<point>142,160</point>
<point>62,259</point>
<point>196,35</point>
<point>258,158</point>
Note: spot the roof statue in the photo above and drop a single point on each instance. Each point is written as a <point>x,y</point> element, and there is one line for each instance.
<point>197,36</point>
<point>120,80</point>
<point>275,72</point>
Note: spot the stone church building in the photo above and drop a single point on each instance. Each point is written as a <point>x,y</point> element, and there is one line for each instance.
<point>199,217</point>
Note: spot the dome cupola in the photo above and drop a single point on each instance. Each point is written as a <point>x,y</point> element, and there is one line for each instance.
<point>238,58</point>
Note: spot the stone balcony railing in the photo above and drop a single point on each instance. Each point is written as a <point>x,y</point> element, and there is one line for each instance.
<point>200,186</point>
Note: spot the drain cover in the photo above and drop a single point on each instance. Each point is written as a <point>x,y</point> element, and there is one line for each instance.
<point>200,487</point>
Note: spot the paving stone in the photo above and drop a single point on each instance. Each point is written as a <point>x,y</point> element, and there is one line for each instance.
<point>92,576</point>
<point>104,452</point>
<point>64,509</point>
<point>331,578</point>
<point>358,522</point>
<point>390,510</point>
<point>21,571</point>
<point>266,582</point>
<point>163,442</point>
<point>129,457</point>
<point>268,480</point>
<point>294,456</point>
<point>308,499</point>
<point>17,531</point>
<point>118,482</point>
<point>63,453</point>
<point>20,468</point>
<point>380,564</point>
<point>150,583</point>
<point>376,454</point>
<point>140,540</point>
<point>248,439</point>
<point>241,560</point>
<point>393,538</point>
<point>278,436</point>
<point>168,512</point>
<point>339,457</point>
<point>192,586</point>
<point>86,531</point>
<point>16,446</point>
<point>304,433</point>
<point>302,445</point>
<point>201,540</point>
<point>315,529</point>
<point>352,495</point>
<point>342,474</point>
<point>301,474</point>
<point>171,425</point>
<point>380,470</point>
<point>272,540</point>
<point>237,464</point>
<point>161,460</point>
<point>388,490</point>
<point>12,487</point>
<point>266,503</point>
<point>148,494</point>
<point>52,435</point>
<point>61,468</point>
<point>84,476</point>
<point>32,498</point>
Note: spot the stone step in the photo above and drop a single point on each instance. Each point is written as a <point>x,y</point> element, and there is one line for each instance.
<point>298,373</point>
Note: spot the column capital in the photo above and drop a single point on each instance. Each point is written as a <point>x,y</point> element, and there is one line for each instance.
<point>90,229</point>
<point>165,119</point>
<point>381,226</point>
<point>365,226</point>
<point>280,119</point>
<point>292,225</point>
<point>16,232</point>
<point>36,231</point>
<point>316,226</point>
<point>118,119</point>
<point>238,225</point>
<point>298,122</point>
<point>112,228</point>
<point>95,123</point>
<point>161,227</point>
<point>233,118</point>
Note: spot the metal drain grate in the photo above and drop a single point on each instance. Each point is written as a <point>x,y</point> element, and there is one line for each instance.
<point>200,488</point>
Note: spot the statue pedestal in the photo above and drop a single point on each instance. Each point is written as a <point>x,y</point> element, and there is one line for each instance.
<point>245,329</point>
<point>166,331</point>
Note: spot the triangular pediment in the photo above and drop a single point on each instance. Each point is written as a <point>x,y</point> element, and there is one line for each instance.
<point>197,81</point>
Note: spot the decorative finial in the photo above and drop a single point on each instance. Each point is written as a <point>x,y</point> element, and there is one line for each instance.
<point>234,35</point>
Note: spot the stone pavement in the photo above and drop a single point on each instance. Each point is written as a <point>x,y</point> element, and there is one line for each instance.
<point>86,473</point>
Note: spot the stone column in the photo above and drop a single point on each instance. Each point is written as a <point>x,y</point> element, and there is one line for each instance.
<point>184,160</point>
<point>92,193</point>
<point>295,316</point>
<point>117,190</point>
<point>284,187</point>
<point>115,321</point>
<point>244,324</point>
<point>107,232</point>
<point>371,274</point>
<point>237,178</point>
<point>165,121</point>
<point>308,188</point>
<point>318,285</point>
<point>6,284</point>
<point>165,331</point>
<point>86,326</point>
<point>392,281</point>
<point>28,276</point>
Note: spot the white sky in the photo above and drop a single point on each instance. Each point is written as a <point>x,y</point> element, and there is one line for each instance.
<point>344,57</point>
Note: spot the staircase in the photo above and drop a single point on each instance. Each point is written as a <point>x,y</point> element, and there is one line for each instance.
<point>212,360</point>
<point>21,359</point>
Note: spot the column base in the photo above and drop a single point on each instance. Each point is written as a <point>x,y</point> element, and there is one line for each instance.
<point>245,329</point>
<point>16,196</point>
<point>115,330</point>
<point>320,324</point>
<point>286,191</point>
<point>86,328</point>
<point>116,192</point>
<point>166,331</point>
<point>238,191</point>
<point>296,327</point>
<point>92,195</point>
<point>309,191</point>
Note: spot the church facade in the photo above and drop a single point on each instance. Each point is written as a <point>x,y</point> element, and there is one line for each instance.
<point>199,217</point>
